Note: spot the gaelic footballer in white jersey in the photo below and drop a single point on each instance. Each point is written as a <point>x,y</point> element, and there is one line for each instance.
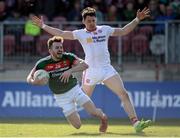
<point>95,45</point>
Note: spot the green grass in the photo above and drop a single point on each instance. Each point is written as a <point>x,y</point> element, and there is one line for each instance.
<point>89,128</point>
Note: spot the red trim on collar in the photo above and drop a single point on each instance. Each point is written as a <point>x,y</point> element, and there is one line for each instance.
<point>90,31</point>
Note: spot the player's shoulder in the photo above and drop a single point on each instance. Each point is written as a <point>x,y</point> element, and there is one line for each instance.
<point>43,60</point>
<point>104,26</point>
<point>69,54</point>
<point>79,30</point>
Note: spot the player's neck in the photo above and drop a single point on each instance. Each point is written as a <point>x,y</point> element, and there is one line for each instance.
<point>92,30</point>
<point>55,59</point>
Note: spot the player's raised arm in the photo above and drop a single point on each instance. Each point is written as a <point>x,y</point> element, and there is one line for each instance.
<point>53,31</point>
<point>140,15</point>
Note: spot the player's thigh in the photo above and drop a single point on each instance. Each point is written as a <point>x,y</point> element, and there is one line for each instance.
<point>115,84</point>
<point>90,78</point>
<point>65,102</point>
<point>88,89</point>
<point>74,119</point>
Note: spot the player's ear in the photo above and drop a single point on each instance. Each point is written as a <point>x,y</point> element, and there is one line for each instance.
<point>49,51</point>
<point>96,19</point>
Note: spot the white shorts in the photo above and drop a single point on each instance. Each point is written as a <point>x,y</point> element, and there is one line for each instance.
<point>70,99</point>
<point>93,76</point>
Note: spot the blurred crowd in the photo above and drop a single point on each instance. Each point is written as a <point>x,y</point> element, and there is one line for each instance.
<point>70,10</point>
<point>146,40</point>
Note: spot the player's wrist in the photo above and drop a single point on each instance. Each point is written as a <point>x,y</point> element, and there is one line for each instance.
<point>70,70</point>
<point>137,19</point>
<point>34,81</point>
<point>43,26</point>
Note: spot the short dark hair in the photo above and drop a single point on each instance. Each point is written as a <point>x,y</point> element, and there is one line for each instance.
<point>54,39</point>
<point>88,11</point>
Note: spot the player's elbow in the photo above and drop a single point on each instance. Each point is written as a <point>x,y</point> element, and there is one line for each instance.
<point>85,66</point>
<point>28,79</point>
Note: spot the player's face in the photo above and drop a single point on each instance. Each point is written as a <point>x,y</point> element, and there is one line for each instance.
<point>56,50</point>
<point>90,23</point>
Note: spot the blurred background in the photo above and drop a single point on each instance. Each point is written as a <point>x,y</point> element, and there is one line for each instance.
<point>147,59</point>
<point>150,52</point>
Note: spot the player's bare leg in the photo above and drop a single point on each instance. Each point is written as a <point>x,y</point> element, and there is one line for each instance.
<point>88,89</point>
<point>91,109</point>
<point>74,120</point>
<point>116,85</point>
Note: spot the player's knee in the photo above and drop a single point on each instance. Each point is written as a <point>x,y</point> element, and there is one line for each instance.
<point>77,125</point>
<point>74,120</point>
<point>124,95</point>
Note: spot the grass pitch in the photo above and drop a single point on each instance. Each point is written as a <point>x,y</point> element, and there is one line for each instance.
<point>61,128</point>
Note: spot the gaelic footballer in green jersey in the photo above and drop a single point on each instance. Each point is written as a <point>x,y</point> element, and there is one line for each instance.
<point>56,69</point>
<point>65,88</point>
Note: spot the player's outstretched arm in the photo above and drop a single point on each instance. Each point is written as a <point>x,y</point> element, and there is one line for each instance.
<point>140,15</point>
<point>51,30</point>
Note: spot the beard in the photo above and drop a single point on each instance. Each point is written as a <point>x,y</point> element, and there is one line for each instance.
<point>59,55</point>
<point>92,28</point>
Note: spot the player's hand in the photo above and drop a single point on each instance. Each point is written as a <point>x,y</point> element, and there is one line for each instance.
<point>65,76</point>
<point>37,21</point>
<point>42,81</point>
<point>145,13</point>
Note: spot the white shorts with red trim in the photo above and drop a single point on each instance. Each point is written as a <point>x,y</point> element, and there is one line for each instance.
<point>93,76</point>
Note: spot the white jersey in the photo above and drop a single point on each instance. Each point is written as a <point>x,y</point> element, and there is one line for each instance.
<point>95,45</point>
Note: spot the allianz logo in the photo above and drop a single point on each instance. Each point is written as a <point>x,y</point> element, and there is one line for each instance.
<point>140,99</point>
<point>154,99</point>
<point>27,99</point>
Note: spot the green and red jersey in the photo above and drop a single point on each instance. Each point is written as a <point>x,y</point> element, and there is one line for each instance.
<point>55,69</point>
